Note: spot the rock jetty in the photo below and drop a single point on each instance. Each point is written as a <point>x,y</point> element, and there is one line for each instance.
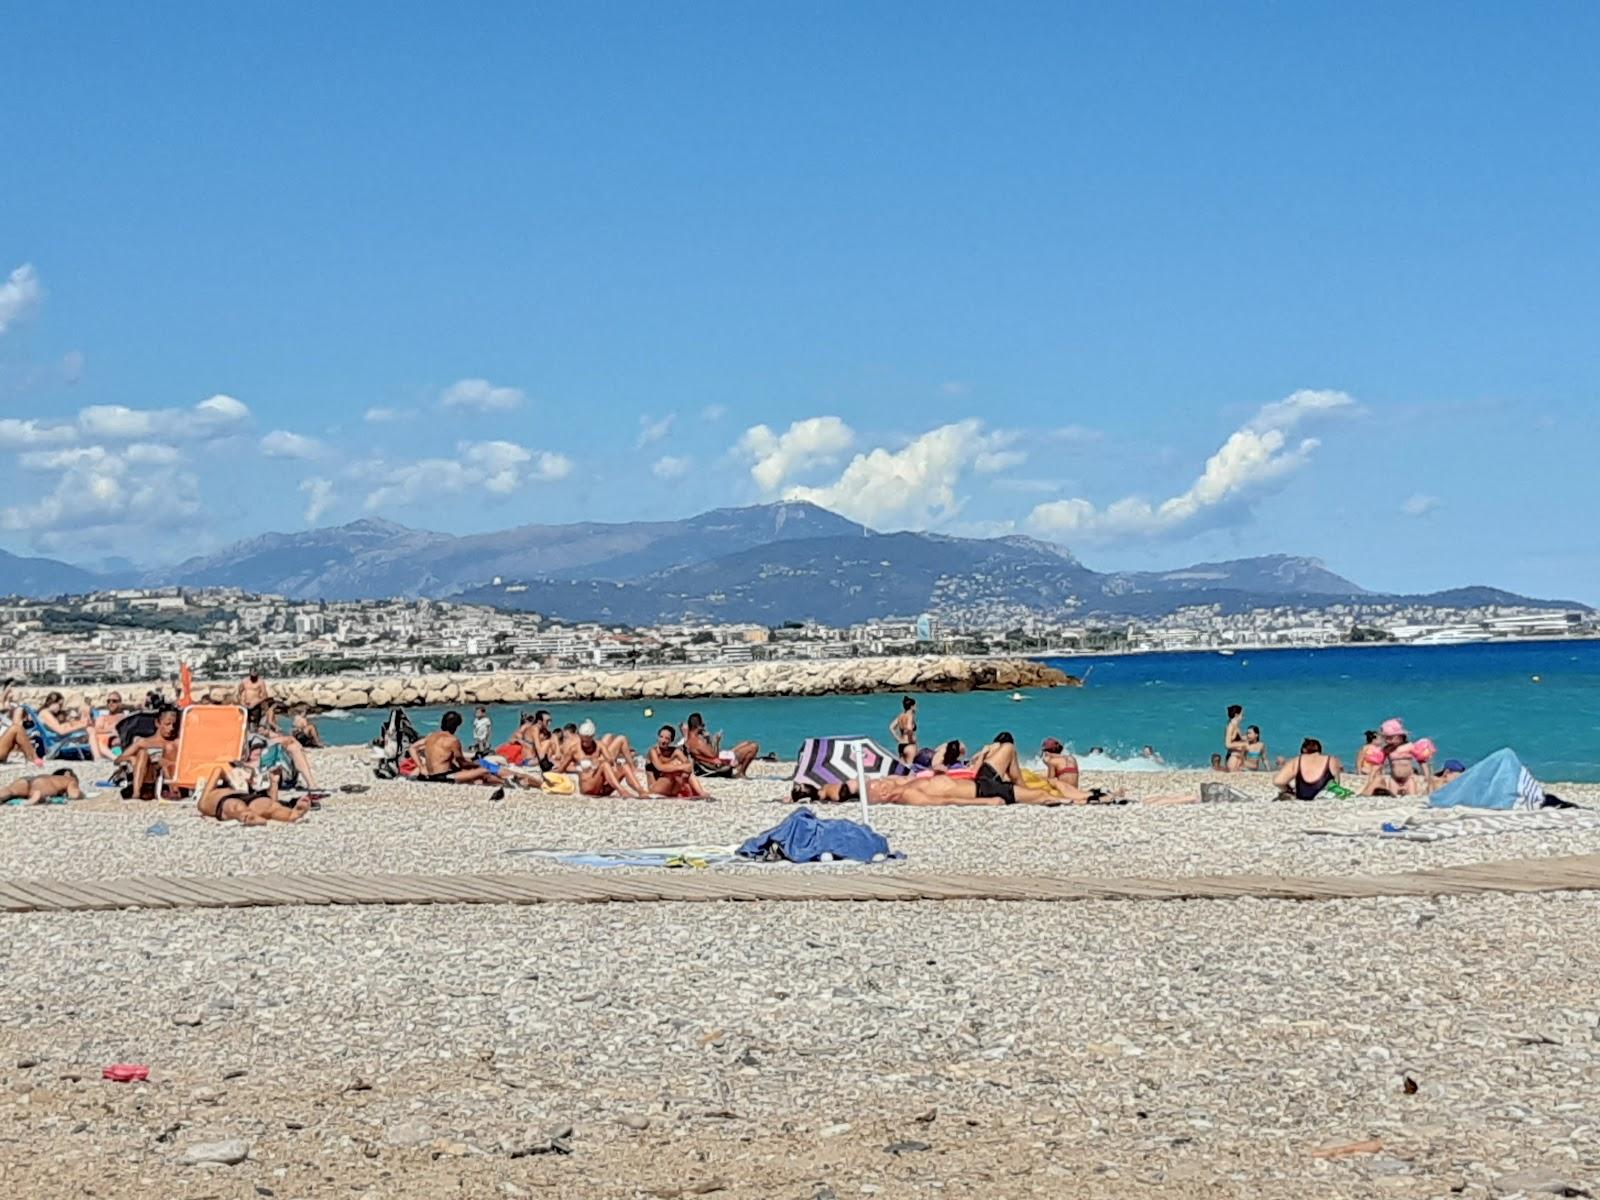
<point>810,678</point>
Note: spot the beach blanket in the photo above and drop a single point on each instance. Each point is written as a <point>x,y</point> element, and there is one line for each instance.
<point>804,837</point>
<point>1498,782</point>
<point>634,856</point>
<point>1432,825</point>
<point>825,760</point>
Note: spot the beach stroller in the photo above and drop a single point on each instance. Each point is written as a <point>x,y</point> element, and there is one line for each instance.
<point>211,738</point>
<point>64,747</point>
<point>392,742</point>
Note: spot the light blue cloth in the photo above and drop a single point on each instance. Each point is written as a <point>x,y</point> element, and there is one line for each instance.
<point>1500,782</point>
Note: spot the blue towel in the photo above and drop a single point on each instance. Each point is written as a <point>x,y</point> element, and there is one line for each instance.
<point>803,837</point>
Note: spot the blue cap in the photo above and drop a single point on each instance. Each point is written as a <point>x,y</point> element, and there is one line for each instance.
<point>1454,765</point>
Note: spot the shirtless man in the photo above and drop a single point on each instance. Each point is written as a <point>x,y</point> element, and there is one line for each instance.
<point>42,789</point>
<point>253,693</point>
<point>670,769</point>
<point>710,759</point>
<point>440,758</point>
<point>940,791</point>
<point>903,729</point>
<point>998,773</point>
<point>103,732</point>
<point>153,758</point>
<point>602,772</point>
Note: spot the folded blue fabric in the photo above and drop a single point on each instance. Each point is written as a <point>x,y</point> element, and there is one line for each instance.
<point>804,837</point>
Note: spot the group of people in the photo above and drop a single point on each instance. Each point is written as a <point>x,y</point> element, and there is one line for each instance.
<point>603,764</point>
<point>1389,762</point>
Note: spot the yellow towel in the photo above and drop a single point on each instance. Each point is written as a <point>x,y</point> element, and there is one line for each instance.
<point>560,785</point>
<point>1040,783</point>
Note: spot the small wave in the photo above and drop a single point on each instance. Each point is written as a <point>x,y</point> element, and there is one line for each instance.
<point>337,714</point>
<point>1108,762</point>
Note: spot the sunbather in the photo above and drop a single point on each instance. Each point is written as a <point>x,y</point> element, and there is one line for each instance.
<point>285,749</point>
<point>304,730</point>
<point>440,758</point>
<point>604,772</point>
<point>1060,766</point>
<point>670,769</point>
<point>938,791</point>
<point>710,759</point>
<point>42,789</point>
<point>226,795</point>
<point>152,759</point>
<point>103,732</point>
<point>57,721</point>
<point>18,739</point>
<point>1305,775</point>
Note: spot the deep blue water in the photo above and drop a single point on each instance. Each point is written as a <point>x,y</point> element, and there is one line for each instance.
<point>1469,699</point>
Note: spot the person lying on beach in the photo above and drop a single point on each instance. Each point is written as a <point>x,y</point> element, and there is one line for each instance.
<point>1305,775</point>
<point>152,759</point>
<point>941,760</point>
<point>440,758</point>
<point>43,789</point>
<point>710,759</point>
<point>103,731</point>
<point>903,729</point>
<point>602,771</point>
<point>18,739</point>
<point>939,791</point>
<point>1059,766</point>
<point>670,769</point>
<point>1452,770</point>
<point>227,795</point>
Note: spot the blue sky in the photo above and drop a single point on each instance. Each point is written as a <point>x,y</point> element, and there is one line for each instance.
<point>1164,283</point>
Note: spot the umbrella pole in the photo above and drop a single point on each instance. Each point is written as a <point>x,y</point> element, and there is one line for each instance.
<point>861,783</point>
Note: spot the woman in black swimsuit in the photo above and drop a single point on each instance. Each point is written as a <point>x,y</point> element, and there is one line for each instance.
<point>1306,775</point>
<point>221,800</point>
<point>904,730</point>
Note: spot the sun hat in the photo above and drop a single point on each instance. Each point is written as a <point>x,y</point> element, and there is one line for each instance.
<point>1393,727</point>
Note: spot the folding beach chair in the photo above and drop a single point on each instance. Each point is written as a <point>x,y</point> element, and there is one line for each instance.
<point>212,736</point>
<point>66,747</point>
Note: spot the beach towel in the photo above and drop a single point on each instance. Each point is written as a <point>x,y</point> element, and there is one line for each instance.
<point>1498,782</point>
<point>803,837</point>
<point>825,760</point>
<point>1436,825</point>
<point>633,856</point>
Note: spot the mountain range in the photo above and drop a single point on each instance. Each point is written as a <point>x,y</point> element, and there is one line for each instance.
<point>767,563</point>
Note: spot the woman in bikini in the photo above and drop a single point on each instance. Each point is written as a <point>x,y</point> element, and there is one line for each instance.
<point>904,730</point>
<point>1060,766</point>
<point>670,770</point>
<point>224,799</point>
<point>1251,751</point>
<point>1306,775</point>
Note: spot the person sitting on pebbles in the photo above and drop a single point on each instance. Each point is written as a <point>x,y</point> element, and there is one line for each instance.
<point>670,769</point>
<point>439,757</point>
<point>227,794</point>
<point>710,759</point>
<point>603,769</point>
<point>55,788</point>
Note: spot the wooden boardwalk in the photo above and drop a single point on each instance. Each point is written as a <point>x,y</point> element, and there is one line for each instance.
<point>1571,873</point>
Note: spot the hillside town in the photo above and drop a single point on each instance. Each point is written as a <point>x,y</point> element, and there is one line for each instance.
<point>144,634</point>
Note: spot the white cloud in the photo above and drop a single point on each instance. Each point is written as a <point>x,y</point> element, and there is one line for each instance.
<point>670,467</point>
<point>480,395</point>
<point>100,492</point>
<point>117,422</point>
<point>498,467</point>
<point>916,485</point>
<point>151,454</point>
<point>378,415</point>
<point>651,432</point>
<point>19,295</point>
<point>17,434</point>
<point>1249,463</point>
<point>814,442</point>
<point>1419,505</point>
<point>222,411</point>
<point>212,417</point>
<point>280,443</point>
<point>713,412</point>
<point>955,387</point>
<point>1074,434</point>
<point>319,498</point>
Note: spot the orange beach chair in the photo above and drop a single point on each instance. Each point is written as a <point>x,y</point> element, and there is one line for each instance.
<point>211,736</point>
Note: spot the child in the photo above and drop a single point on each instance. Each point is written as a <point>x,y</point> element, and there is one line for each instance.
<point>482,732</point>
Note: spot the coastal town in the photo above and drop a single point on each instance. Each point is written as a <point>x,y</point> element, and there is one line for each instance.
<point>146,633</point>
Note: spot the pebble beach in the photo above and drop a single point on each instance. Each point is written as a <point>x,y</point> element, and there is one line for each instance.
<point>1386,1047</point>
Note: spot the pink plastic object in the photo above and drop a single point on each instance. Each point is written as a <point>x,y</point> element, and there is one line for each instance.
<point>126,1072</point>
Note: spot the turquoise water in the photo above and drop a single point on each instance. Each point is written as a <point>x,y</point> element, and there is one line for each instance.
<point>1469,699</point>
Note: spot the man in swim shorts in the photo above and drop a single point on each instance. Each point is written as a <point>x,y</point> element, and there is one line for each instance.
<point>710,759</point>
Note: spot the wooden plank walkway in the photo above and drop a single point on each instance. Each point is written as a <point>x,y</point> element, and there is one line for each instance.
<point>1572,873</point>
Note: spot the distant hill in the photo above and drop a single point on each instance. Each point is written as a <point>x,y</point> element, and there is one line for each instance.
<point>43,577</point>
<point>767,563</point>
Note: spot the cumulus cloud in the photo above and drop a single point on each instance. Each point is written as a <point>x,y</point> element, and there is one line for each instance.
<point>99,492</point>
<point>215,416</point>
<point>651,432</point>
<point>151,454</point>
<point>19,295</point>
<point>17,434</point>
<point>778,457</point>
<point>280,443</point>
<point>498,467</point>
<point>914,486</point>
<point>1253,460</point>
<point>319,498</point>
<point>479,395</point>
<point>669,466</point>
<point>1419,505</point>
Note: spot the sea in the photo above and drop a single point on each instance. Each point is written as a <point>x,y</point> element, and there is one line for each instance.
<point>1540,698</point>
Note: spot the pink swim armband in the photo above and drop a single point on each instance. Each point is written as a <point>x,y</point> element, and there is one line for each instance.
<point>1423,750</point>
